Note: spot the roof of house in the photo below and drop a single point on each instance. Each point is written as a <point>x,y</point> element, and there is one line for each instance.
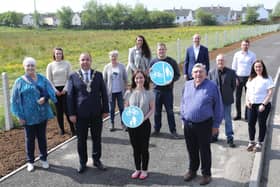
<point>179,12</point>
<point>219,10</point>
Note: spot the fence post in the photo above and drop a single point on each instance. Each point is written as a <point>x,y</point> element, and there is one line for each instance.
<point>6,94</point>
<point>217,40</point>
<point>178,51</point>
<point>206,39</point>
<point>225,38</point>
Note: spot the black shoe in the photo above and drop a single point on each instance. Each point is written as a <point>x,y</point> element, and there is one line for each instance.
<point>175,135</point>
<point>231,144</point>
<point>99,165</point>
<point>205,180</point>
<point>237,118</point>
<point>155,133</point>
<point>214,139</point>
<point>112,128</point>
<point>81,168</point>
<point>189,176</point>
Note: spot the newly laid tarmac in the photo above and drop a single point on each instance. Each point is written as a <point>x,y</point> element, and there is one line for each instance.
<point>168,156</point>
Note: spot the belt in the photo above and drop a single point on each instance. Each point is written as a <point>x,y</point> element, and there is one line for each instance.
<point>187,122</point>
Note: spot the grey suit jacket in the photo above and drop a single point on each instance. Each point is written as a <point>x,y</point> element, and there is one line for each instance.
<point>228,83</point>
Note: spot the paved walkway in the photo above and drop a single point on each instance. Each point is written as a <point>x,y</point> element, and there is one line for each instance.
<point>168,157</point>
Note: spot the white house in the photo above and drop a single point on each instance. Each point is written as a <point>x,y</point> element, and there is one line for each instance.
<point>222,14</point>
<point>182,15</point>
<point>76,20</point>
<point>28,20</point>
<point>263,13</point>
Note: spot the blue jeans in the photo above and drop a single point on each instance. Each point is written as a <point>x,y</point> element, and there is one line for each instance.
<point>36,131</point>
<point>228,122</point>
<point>119,98</point>
<point>164,98</point>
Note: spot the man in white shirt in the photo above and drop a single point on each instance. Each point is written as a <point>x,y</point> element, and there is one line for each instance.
<point>242,63</point>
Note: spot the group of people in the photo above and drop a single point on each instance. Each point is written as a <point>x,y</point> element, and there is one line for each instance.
<point>207,100</point>
<point>87,96</point>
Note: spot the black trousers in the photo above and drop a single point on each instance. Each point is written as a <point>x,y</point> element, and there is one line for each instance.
<point>198,139</point>
<point>139,139</point>
<point>95,126</point>
<point>61,109</point>
<point>253,116</point>
<point>238,95</point>
<point>31,133</point>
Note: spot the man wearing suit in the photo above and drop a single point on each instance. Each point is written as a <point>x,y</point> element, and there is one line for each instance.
<point>225,79</point>
<point>195,54</point>
<point>87,104</point>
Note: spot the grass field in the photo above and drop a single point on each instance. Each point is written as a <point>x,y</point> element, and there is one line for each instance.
<point>16,43</point>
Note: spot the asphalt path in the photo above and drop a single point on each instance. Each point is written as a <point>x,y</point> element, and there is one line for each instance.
<point>168,156</point>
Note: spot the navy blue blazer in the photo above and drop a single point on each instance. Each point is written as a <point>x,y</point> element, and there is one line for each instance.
<point>85,104</point>
<point>203,57</point>
<point>228,83</point>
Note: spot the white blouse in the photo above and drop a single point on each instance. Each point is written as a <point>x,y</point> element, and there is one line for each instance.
<point>257,89</point>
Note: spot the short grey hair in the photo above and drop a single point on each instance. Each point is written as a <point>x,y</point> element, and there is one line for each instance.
<point>220,55</point>
<point>199,65</point>
<point>28,60</point>
<point>113,53</point>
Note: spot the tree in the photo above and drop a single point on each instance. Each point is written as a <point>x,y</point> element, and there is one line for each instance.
<point>11,18</point>
<point>119,16</point>
<point>65,17</point>
<point>94,16</point>
<point>140,16</point>
<point>251,16</point>
<point>161,19</point>
<point>205,18</point>
<point>276,10</point>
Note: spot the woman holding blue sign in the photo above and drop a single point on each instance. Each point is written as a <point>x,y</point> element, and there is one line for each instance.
<point>139,97</point>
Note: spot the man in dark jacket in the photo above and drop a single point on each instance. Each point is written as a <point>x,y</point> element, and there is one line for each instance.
<point>195,54</point>
<point>225,78</point>
<point>164,94</point>
<point>87,101</point>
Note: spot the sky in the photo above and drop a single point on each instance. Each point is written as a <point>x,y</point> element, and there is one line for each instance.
<point>51,6</point>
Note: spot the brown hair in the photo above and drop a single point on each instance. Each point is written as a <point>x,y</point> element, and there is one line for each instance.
<point>145,47</point>
<point>253,73</point>
<point>59,49</point>
<point>146,82</point>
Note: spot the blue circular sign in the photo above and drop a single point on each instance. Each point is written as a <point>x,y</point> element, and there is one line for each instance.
<point>161,73</point>
<point>132,116</point>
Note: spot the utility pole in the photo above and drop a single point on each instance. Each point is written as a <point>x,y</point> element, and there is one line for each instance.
<point>36,16</point>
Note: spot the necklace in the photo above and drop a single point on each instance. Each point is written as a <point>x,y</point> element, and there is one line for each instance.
<point>88,84</point>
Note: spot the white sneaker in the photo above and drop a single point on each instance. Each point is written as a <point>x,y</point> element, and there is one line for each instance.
<point>44,164</point>
<point>258,147</point>
<point>30,167</point>
<point>251,146</point>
